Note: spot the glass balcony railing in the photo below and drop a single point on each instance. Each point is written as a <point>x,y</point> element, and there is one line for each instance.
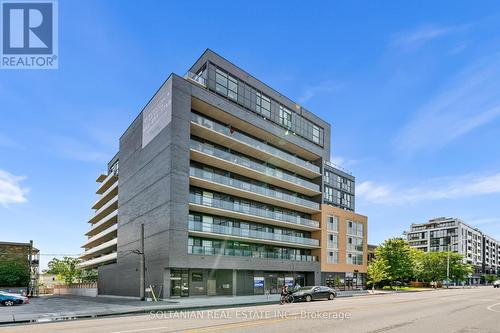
<point>196,78</point>
<point>202,121</point>
<point>216,251</point>
<point>240,160</point>
<point>236,183</point>
<point>232,231</point>
<point>247,209</point>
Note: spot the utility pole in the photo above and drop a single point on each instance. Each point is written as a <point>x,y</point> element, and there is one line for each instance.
<point>142,279</point>
<point>30,258</point>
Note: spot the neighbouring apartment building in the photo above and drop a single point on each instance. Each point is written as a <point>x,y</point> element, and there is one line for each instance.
<point>233,184</point>
<point>29,257</point>
<point>452,234</point>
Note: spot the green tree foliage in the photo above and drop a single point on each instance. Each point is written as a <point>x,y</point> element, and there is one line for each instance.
<point>65,269</point>
<point>399,257</point>
<point>378,271</point>
<point>13,273</point>
<point>490,278</point>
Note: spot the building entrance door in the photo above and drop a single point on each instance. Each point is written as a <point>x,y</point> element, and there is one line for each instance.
<point>179,283</point>
<point>271,283</point>
<point>211,287</point>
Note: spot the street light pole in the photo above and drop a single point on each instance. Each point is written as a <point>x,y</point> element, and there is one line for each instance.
<point>142,278</point>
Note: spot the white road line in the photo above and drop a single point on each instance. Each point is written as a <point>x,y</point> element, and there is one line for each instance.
<point>492,306</point>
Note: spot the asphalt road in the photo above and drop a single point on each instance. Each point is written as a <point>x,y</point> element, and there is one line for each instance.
<point>456,310</point>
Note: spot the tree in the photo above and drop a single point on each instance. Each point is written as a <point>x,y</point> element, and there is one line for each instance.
<point>400,259</point>
<point>489,278</point>
<point>65,269</point>
<point>433,266</point>
<point>377,271</point>
<point>13,273</point>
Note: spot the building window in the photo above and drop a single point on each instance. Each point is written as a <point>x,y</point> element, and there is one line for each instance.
<point>329,194</point>
<point>333,257</point>
<point>333,241</point>
<point>263,105</point>
<point>354,258</point>
<point>333,223</point>
<point>226,85</point>
<point>285,117</point>
<point>316,134</point>
<point>327,176</point>
<point>354,228</point>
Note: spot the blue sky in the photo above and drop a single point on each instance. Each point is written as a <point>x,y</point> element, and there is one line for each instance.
<point>412,91</point>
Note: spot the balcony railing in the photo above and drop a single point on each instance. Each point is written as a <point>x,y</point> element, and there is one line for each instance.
<point>233,158</point>
<point>239,232</point>
<point>202,121</point>
<point>246,186</point>
<point>196,78</point>
<point>215,251</point>
<point>247,209</point>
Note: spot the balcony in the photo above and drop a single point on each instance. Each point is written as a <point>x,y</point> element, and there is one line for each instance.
<point>100,249</point>
<point>228,137</point>
<point>214,251</point>
<point>111,218</point>
<point>220,183</point>
<point>102,237</point>
<point>228,208</point>
<point>107,195</point>
<point>106,183</point>
<point>107,258</point>
<point>102,212</point>
<point>208,154</point>
<point>201,229</point>
<point>196,78</point>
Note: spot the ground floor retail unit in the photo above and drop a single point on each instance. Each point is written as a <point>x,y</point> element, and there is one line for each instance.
<point>186,282</point>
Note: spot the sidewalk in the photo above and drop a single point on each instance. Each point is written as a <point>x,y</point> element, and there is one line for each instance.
<point>51,308</point>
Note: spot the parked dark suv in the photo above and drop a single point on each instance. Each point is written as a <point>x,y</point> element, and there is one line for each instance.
<point>314,293</point>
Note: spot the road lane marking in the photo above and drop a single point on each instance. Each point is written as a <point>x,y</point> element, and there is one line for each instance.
<point>492,306</point>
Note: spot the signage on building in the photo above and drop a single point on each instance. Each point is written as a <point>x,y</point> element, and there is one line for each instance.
<point>157,114</point>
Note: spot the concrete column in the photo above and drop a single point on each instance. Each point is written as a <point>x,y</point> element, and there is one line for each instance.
<point>235,281</point>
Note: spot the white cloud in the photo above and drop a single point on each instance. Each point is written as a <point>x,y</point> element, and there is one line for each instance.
<point>342,162</point>
<point>11,191</point>
<point>411,40</point>
<point>437,189</point>
<point>469,101</point>
<point>324,87</point>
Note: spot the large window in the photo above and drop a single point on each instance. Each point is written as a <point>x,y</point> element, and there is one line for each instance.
<point>226,85</point>
<point>354,228</point>
<point>263,105</point>
<point>333,223</point>
<point>354,258</point>
<point>333,257</point>
<point>333,240</point>
<point>329,194</point>
<point>285,117</point>
<point>316,136</point>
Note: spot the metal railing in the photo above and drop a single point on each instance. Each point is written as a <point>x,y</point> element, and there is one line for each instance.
<point>202,121</point>
<point>240,160</point>
<point>239,232</point>
<point>220,251</point>
<point>251,210</point>
<point>246,186</point>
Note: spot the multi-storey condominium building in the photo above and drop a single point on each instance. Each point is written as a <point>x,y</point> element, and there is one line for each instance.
<point>226,175</point>
<point>452,234</point>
